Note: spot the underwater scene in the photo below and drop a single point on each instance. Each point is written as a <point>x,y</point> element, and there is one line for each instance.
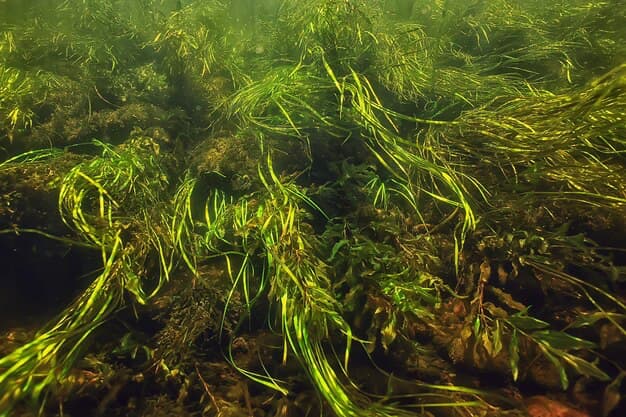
<point>341,208</point>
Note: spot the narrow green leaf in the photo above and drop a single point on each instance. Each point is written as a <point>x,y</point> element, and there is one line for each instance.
<point>336,248</point>
<point>514,355</point>
<point>562,340</point>
<point>585,368</point>
<point>524,322</point>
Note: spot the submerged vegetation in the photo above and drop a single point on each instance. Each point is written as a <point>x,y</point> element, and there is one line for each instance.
<point>350,208</point>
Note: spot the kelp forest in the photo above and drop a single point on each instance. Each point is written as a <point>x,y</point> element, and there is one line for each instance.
<point>350,208</point>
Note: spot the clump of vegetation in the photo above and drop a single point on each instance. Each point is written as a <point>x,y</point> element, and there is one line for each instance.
<point>396,208</point>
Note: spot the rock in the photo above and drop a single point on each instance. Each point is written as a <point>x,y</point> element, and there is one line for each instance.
<point>541,406</point>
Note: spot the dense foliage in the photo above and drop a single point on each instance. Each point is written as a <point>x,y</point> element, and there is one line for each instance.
<point>355,207</point>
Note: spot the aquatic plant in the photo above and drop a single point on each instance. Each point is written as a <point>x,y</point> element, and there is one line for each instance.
<point>411,184</point>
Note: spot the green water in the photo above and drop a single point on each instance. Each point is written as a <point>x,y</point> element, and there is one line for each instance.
<point>351,208</point>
